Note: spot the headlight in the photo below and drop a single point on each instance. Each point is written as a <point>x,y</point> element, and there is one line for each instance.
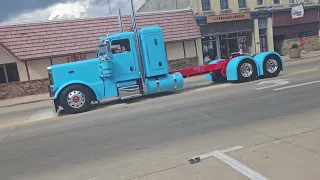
<point>103,58</point>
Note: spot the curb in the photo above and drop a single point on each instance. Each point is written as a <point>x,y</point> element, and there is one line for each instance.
<point>301,58</point>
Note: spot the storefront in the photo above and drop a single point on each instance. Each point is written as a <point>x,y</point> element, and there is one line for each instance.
<point>226,34</point>
<point>287,29</point>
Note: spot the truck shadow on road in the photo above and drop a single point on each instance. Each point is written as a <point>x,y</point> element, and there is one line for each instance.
<point>187,88</point>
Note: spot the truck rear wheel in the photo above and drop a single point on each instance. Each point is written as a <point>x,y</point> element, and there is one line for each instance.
<point>75,99</point>
<point>271,66</point>
<point>247,70</point>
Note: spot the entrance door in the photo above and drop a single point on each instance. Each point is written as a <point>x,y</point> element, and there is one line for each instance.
<point>263,44</point>
<point>233,46</point>
<point>228,44</point>
<point>154,50</point>
<point>123,60</point>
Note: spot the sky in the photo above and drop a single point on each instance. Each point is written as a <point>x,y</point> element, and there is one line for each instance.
<point>24,11</point>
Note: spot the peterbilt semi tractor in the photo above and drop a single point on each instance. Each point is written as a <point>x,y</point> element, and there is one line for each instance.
<point>130,65</point>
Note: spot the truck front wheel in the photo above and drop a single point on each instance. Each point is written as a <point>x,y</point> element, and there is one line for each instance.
<point>218,77</point>
<point>75,99</point>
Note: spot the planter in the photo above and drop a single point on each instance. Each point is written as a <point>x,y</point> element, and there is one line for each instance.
<point>295,53</point>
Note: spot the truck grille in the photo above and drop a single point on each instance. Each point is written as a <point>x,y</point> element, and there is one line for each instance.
<point>50,76</point>
<point>50,89</point>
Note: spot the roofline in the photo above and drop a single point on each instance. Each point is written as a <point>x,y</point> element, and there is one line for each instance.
<point>90,18</point>
<point>7,49</point>
<point>85,52</point>
<point>164,11</point>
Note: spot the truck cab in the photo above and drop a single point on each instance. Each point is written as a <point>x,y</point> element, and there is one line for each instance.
<point>125,67</point>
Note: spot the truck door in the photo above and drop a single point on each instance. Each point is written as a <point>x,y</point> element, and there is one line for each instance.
<point>156,57</point>
<point>123,58</point>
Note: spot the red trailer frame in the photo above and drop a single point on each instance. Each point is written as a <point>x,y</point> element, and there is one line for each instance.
<point>221,66</point>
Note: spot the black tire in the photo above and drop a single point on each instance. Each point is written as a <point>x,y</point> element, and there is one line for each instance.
<point>218,77</point>
<point>252,76</point>
<point>269,73</point>
<point>80,106</point>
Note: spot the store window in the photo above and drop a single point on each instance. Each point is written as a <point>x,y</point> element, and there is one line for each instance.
<point>206,5</point>
<point>234,43</point>
<point>9,73</point>
<point>276,2</point>
<point>278,38</point>
<point>242,3</point>
<point>260,2</point>
<point>293,1</point>
<point>224,4</point>
<point>209,49</point>
<point>305,34</point>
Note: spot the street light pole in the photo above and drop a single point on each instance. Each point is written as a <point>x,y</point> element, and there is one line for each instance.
<point>120,20</point>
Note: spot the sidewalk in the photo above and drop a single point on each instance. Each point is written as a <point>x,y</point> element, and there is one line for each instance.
<point>286,150</point>
<point>308,55</point>
<point>24,100</point>
<point>45,97</point>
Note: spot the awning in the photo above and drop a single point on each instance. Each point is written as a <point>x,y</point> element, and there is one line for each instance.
<point>214,29</point>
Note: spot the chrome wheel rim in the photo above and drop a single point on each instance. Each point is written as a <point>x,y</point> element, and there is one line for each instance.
<point>271,66</point>
<point>76,99</point>
<point>246,70</point>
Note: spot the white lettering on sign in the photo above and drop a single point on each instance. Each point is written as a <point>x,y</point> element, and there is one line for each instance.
<point>274,83</point>
<point>297,12</point>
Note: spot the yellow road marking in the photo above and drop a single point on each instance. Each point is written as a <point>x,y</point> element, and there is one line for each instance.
<point>304,71</point>
<point>23,122</point>
<point>11,124</point>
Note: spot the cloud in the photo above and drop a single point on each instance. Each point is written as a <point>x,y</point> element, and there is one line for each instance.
<point>74,9</point>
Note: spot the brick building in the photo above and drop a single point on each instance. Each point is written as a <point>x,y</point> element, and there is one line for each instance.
<point>26,50</point>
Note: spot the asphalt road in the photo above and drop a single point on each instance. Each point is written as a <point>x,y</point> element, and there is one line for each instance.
<point>147,136</point>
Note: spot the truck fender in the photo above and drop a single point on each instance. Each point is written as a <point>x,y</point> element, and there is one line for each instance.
<point>208,75</point>
<point>232,67</point>
<point>261,57</point>
<point>56,95</point>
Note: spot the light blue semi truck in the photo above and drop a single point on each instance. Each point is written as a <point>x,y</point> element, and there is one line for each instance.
<point>132,64</point>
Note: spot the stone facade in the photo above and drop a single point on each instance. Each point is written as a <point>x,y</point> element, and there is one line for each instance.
<point>19,89</point>
<point>283,47</point>
<point>182,63</point>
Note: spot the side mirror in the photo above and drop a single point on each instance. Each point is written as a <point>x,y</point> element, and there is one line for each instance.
<point>106,57</point>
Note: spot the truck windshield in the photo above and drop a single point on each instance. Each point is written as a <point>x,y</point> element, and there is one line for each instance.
<point>102,49</point>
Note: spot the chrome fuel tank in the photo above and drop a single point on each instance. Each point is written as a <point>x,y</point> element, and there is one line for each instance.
<point>163,83</point>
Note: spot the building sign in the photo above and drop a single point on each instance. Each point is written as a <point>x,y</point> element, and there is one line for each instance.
<point>228,17</point>
<point>297,12</point>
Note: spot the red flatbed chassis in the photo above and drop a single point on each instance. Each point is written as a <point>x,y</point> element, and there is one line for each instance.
<point>204,69</point>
